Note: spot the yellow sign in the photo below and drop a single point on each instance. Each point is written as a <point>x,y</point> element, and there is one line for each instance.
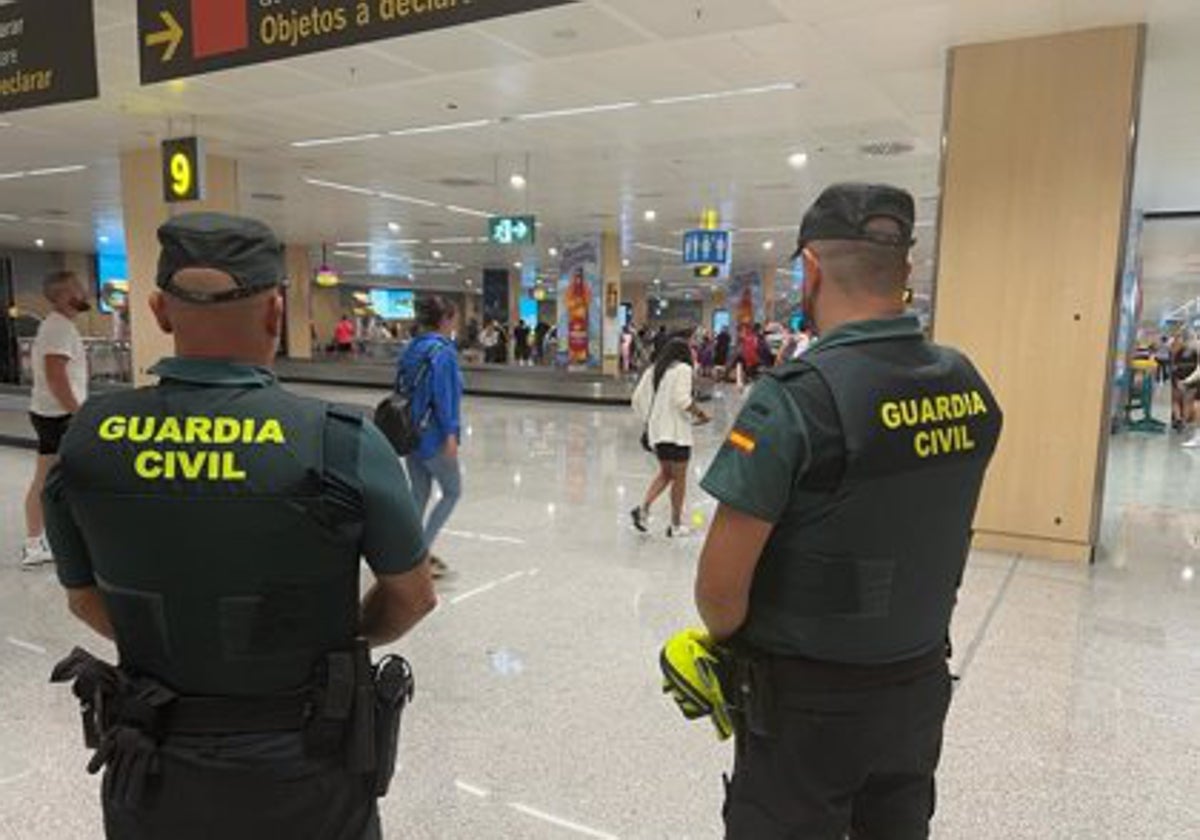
<point>183,163</point>
<point>171,37</point>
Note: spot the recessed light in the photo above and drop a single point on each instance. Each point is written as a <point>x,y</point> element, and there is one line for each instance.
<point>335,141</point>
<point>553,251</point>
<point>625,263</point>
<point>437,255</point>
<point>104,240</point>
<point>518,265</point>
<point>393,227</point>
<point>650,216</point>
<point>41,243</point>
<point>798,160</point>
<point>769,245</point>
<point>657,281</point>
<point>518,181</point>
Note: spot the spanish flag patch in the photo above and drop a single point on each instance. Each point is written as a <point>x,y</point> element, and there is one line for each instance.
<point>742,442</point>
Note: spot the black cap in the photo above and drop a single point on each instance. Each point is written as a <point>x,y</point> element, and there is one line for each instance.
<point>844,210</point>
<point>245,249</point>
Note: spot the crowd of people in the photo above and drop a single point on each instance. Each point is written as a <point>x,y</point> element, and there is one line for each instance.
<point>726,355</point>
<point>1178,358</point>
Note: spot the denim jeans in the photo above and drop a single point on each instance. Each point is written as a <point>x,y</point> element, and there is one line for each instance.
<point>423,474</point>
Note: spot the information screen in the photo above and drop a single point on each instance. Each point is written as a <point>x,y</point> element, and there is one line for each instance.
<point>394,304</point>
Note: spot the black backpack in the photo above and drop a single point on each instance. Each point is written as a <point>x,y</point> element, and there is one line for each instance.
<point>394,416</point>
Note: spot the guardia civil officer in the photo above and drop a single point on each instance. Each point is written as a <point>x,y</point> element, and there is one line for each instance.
<point>847,491</point>
<point>214,526</point>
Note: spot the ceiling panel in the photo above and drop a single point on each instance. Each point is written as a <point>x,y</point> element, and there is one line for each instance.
<point>696,18</point>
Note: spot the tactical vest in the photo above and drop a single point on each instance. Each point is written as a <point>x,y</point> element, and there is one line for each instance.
<point>866,572</point>
<point>224,526</point>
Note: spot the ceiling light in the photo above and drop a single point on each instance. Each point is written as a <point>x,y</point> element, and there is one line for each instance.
<point>552,251</point>
<point>11,176</point>
<point>354,244</point>
<point>769,245</point>
<point>575,112</point>
<point>437,129</point>
<point>41,243</point>
<point>406,199</point>
<point>437,255</point>
<point>350,255</point>
<point>798,160</point>
<point>333,185</point>
<point>518,264</point>
<point>104,240</point>
<point>625,263</point>
<point>467,211</point>
<point>393,227</point>
<point>657,281</point>
<point>726,94</point>
<point>650,216</point>
<point>518,181</point>
<point>453,240</point>
<point>9,217</point>
<point>335,141</point>
<point>657,249</point>
<point>57,170</point>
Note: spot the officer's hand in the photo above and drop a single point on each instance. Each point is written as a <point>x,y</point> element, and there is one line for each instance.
<point>451,450</point>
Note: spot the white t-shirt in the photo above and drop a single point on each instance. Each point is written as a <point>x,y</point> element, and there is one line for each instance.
<point>57,336</point>
<point>665,413</point>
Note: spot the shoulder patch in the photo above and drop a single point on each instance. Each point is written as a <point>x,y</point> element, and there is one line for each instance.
<point>743,441</point>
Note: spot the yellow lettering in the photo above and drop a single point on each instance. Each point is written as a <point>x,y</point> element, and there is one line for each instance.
<point>141,429</point>
<point>148,465</point>
<point>928,415</point>
<point>169,431</point>
<point>889,412</point>
<point>959,406</point>
<point>229,468</point>
<point>226,430</point>
<point>965,441</point>
<point>191,464</point>
<point>909,413</point>
<point>364,14</point>
<point>978,406</point>
<point>922,444</point>
<point>112,429</point>
<point>214,467</point>
<point>943,408</point>
<point>198,430</point>
<point>271,432</point>
<point>943,441</point>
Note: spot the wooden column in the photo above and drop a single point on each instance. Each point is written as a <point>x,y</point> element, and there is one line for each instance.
<point>299,302</point>
<point>1037,173</point>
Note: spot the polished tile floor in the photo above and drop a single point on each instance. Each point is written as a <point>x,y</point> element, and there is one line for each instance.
<point>539,713</point>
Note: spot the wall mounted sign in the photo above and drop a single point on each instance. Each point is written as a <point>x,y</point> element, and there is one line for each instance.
<point>47,53</point>
<point>179,38</point>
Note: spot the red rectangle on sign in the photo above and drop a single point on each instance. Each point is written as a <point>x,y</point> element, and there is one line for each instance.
<point>219,27</point>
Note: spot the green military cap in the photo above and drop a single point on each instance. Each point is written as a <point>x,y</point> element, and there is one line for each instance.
<point>845,211</point>
<point>245,249</point>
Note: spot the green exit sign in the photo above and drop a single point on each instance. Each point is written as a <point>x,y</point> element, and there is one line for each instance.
<point>513,230</point>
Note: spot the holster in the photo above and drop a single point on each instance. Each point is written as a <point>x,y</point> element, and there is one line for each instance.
<point>394,688</point>
<point>343,720</point>
<point>746,680</point>
<point>123,723</point>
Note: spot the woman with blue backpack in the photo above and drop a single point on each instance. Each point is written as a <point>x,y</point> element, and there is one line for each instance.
<point>430,376</point>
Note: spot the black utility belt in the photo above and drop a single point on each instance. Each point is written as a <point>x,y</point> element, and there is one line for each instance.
<point>794,674</point>
<point>238,715</point>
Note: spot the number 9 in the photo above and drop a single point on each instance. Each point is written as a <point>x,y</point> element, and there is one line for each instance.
<point>181,174</point>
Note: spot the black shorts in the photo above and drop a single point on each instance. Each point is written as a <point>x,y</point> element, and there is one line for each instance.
<point>669,453</point>
<point>50,432</point>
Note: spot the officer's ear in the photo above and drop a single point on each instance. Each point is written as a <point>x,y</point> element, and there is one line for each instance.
<point>814,275</point>
<point>274,316</point>
<point>158,305</point>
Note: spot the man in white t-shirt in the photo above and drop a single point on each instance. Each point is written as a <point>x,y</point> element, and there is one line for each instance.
<point>60,383</point>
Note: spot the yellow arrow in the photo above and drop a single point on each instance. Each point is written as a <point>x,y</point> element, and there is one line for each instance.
<point>172,36</point>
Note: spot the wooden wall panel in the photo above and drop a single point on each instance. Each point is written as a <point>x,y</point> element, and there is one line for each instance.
<point>1035,206</point>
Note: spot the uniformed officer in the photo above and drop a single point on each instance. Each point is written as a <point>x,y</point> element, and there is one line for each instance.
<point>847,491</point>
<point>213,527</point>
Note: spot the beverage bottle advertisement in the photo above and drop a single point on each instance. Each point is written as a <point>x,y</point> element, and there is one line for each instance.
<point>580,300</point>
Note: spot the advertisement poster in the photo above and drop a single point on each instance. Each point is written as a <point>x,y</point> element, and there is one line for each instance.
<point>746,298</point>
<point>1131,312</point>
<point>580,303</point>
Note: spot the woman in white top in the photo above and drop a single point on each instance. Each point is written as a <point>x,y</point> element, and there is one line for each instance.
<point>665,402</point>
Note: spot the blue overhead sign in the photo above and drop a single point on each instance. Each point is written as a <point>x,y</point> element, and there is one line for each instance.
<point>707,247</point>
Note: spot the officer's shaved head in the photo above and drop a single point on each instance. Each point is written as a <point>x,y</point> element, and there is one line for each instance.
<point>244,329</point>
<point>866,267</point>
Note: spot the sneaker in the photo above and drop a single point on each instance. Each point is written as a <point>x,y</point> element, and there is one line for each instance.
<point>36,553</point>
<point>438,568</point>
<point>638,515</point>
<point>678,532</point>
<point>1193,442</point>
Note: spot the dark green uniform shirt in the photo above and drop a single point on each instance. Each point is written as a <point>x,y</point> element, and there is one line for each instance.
<point>392,537</point>
<point>791,436</point>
